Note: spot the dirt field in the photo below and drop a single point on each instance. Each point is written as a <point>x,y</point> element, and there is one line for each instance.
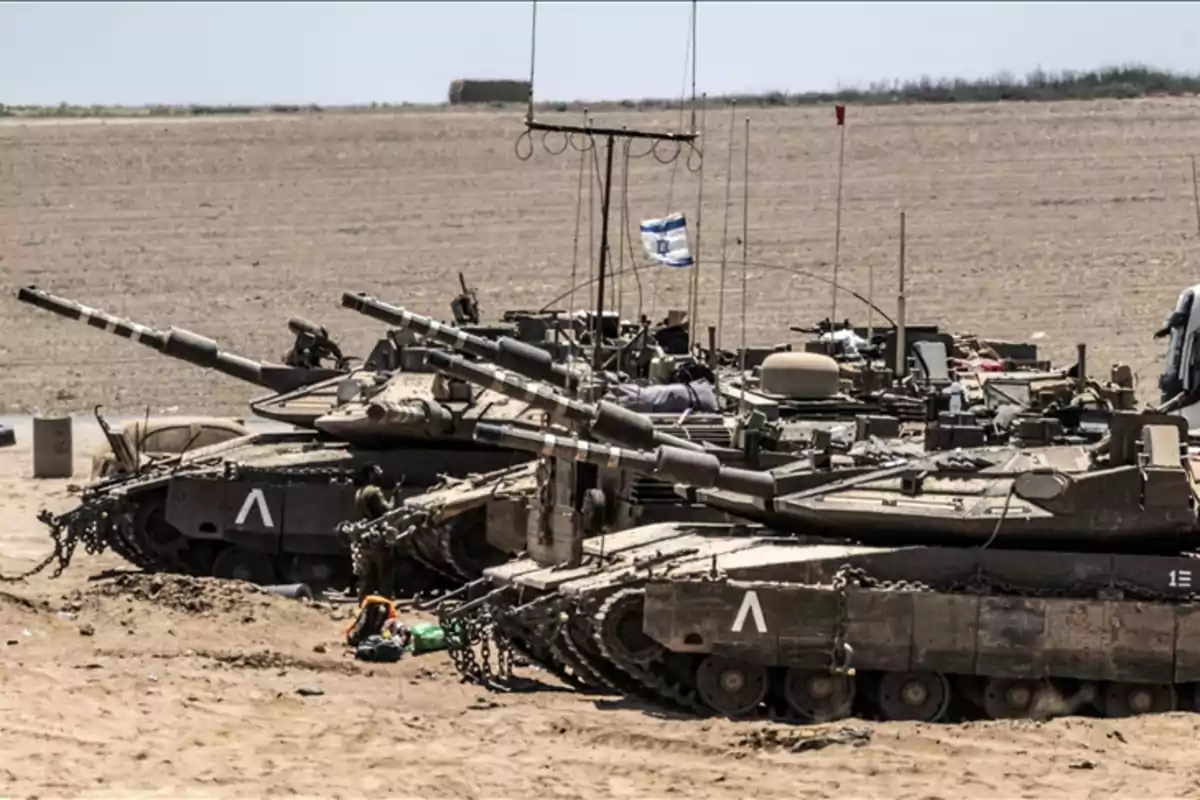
<point>134,686</point>
<point>1071,220</point>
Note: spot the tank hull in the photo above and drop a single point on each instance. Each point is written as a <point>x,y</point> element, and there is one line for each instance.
<point>266,507</point>
<point>734,621</point>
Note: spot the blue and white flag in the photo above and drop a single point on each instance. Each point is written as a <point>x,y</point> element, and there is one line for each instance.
<point>666,240</point>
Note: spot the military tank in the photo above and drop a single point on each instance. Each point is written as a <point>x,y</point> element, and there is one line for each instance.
<point>997,582</point>
<point>596,497</point>
<point>419,527</point>
<point>265,507</point>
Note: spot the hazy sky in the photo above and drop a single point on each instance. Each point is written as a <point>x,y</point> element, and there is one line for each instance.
<point>329,53</point>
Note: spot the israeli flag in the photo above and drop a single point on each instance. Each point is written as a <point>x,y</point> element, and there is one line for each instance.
<point>666,240</point>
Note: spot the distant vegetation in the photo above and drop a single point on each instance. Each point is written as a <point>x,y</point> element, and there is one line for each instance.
<point>1110,83</point>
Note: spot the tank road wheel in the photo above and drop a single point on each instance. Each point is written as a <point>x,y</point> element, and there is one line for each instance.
<point>158,539</point>
<point>621,629</point>
<point>242,564</point>
<point>818,695</point>
<point>1132,699</point>
<point>201,555</point>
<point>731,688</point>
<point>464,544</point>
<point>1012,699</point>
<point>319,572</point>
<point>914,696</point>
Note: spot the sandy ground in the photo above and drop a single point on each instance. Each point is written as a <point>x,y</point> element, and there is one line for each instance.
<point>1072,221</point>
<point>122,685</point>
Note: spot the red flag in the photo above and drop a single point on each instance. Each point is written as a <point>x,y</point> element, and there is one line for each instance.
<point>841,114</point>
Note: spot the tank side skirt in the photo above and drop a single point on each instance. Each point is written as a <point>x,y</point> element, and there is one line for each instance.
<point>932,631</point>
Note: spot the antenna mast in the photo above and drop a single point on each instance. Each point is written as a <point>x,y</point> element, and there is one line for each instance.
<point>610,137</point>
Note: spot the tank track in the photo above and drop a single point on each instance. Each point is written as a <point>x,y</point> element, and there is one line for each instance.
<point>441,545</point>
<point>520,630</point>
<point>649,673</point>
<point>670,680</point>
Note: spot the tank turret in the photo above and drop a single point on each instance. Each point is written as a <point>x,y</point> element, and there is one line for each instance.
<point>1133,496</point>
<point>520,357</point>
<point>604,419</point>
<point>181,344</point>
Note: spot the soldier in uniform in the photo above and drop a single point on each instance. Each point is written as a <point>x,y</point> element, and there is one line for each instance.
<point>312,346</point>
<point>371,503</point>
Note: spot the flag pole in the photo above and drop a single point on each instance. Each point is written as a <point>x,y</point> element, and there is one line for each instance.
<point>840,113</point>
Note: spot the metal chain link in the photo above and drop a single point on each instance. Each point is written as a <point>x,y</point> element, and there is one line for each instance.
<point>465,633</point>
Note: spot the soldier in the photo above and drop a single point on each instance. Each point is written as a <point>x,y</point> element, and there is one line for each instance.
<point>312,346</point>
<point>371,503</point>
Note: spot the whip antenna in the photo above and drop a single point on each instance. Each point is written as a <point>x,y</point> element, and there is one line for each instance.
<point>532,61</point>
<point>725,225</point>
<point>840,111</point>
<point>745,255</point>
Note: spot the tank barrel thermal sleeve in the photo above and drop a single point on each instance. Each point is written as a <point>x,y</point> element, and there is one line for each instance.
<point>545,444</point>
<point>175,342</point>
<point>93,317</point>
<point>520,357</point>
<point>702,470</point>
<point>427,327</point>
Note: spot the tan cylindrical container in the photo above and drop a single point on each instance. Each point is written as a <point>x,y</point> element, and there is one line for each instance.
<point>53,449</point>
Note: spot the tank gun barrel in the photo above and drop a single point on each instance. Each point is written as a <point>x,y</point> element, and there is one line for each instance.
<point>91,316</point>
<point>701,470</point>
<point>520,357</point>
<point>175,342</point>
<point>605,419</point>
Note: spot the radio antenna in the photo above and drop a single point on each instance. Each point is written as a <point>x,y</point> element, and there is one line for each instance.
<point>585,137</point>
<point>840,112</point>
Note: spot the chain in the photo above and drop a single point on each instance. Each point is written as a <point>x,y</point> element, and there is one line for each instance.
<point>544,501</point>
<point>465,633</point>
<point>86,524</point>
<point>982,583</point>
<point>368,537</point>
<point>840,654</point>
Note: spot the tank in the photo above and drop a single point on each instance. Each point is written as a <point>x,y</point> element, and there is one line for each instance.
<point>498,503</point>
<point>265,507</point>
<point>596,495</point>
<point>994,582</point>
